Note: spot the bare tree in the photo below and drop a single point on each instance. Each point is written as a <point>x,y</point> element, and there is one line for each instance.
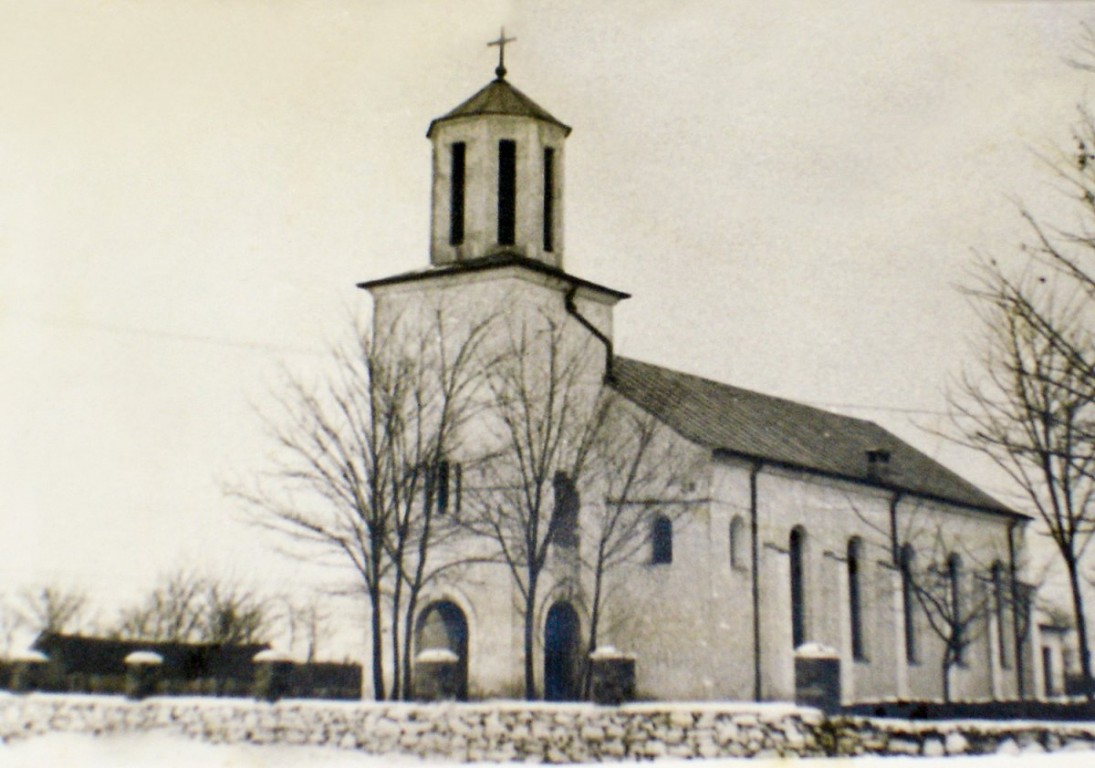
<point>188,607</point>
<point>360,456</point>
<point>308,623</point>
<point>53,608</point>
<point>953,592</point>
<point>642,474</point>
<point>11,620</point>
<point>1030,403</point>
<point>544,415</point>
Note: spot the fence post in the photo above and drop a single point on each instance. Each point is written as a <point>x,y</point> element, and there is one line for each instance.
<point>817,677</point>
<point>613,676</point>
<point>273,675</point>
<point>436,675</point>
<point>142,673</point>
<point>28,671</point>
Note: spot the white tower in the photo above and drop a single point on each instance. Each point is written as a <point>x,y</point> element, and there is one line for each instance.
<point>496,231</point>
<point>497,177</point>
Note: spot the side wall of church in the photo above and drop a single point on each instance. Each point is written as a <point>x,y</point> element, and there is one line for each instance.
<point>662,611</point>
<point>831,514</point>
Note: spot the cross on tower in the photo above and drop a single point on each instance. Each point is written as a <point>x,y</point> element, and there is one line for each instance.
<point>500,70</point>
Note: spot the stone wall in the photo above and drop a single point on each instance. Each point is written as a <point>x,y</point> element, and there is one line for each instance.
<point>508,731</point>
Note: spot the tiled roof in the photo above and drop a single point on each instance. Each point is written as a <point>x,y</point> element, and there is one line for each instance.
<point>498,97</point>
<point>756,426</point>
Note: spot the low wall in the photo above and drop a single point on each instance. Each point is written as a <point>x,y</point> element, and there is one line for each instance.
<point>505,731</point>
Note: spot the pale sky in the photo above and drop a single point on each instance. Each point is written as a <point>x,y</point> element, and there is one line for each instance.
<point>190,189</point>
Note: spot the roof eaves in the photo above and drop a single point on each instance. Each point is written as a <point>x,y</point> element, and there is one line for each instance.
<point>884,486</point>
<point>486,264</point>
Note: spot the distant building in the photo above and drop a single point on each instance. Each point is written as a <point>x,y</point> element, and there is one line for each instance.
<point>804,525</point>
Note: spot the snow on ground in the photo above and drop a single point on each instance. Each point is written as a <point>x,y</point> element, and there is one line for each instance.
<point>158,750</point>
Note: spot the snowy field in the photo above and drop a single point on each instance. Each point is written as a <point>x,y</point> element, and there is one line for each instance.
<point>163,751</point>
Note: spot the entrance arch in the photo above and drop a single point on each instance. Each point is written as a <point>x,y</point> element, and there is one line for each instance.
<point>442,625</point>
<point>562,641</point>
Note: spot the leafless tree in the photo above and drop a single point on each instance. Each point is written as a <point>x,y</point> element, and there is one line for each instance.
<point>194,608</point>
<point>1030,403</point>
<point>308,622</point>
<point>360,454</point>
<point>544,415</point>
<point>53,608</point>
<point>954,593</point>
<point>642,473</point>
<point>11,620</point>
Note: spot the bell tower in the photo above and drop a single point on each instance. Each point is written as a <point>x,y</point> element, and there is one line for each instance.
<point>497,177</point>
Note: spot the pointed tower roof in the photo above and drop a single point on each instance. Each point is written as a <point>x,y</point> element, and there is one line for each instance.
<point>498,97</point>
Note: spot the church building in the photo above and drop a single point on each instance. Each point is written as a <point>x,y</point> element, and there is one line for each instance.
<point>803,528</point>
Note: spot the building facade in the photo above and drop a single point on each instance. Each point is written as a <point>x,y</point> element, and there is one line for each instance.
<point>794,526</point>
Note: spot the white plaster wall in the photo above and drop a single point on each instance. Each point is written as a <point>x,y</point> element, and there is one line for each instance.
<point>690,623</point>
<point>832,512</point>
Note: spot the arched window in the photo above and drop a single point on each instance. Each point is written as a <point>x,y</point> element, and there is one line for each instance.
<point>999,603</point>
<point>737,543</point>
<point>855,607</point>
<point>956,619</point>
<point>442,487</point>
<point>796,552</point>
<point>908,603</point>
<point>661,541</point>
<point>564,517</point>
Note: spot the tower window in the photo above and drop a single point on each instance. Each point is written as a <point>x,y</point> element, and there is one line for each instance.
<point>564,518</point>
<point>456,194</point>
<point>549,199</point>
<point>442,487</point>
<point>507,192</point>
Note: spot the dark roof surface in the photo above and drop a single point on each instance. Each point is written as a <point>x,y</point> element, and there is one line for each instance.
<point>493,261</point>
<point>724,418</point>
<point>498,97</point>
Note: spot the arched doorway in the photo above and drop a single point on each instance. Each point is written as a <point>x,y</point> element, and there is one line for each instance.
<point>442,626</point>
<point>562,641</point>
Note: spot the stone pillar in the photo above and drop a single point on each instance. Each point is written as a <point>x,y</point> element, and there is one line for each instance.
<point>613,676</point>
<point>817,677</point>
<point>142,674</point>
<point>437,675</point>
<point>273,675</point>
<point>28,671</point>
